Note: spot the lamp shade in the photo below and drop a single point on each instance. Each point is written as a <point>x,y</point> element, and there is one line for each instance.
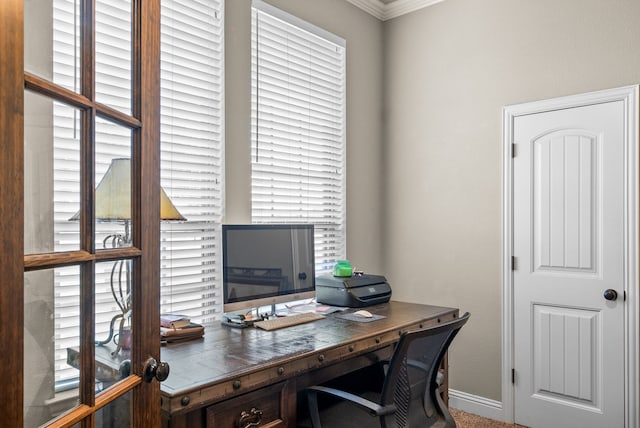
<point>113,195</point>
<point>168,211</point>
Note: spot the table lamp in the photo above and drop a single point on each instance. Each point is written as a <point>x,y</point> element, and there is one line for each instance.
<point>113,204</point>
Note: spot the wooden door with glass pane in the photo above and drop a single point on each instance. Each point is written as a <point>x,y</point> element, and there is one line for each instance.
<point>80,201</point>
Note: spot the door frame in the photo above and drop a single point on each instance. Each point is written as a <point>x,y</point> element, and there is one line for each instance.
<point>629,96</point>
<point>12,207</point>
<point>145,396</point>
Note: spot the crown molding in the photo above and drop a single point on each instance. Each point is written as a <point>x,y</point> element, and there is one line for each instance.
<point>372,7</point>
<point>393,9</point>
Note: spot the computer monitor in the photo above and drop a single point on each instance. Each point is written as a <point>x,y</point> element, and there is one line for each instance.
<point>266,264</point>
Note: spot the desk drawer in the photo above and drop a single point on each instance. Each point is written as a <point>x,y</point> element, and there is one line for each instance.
<point>271,407</point>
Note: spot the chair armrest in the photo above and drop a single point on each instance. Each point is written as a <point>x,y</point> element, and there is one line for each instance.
<point>374,408</point>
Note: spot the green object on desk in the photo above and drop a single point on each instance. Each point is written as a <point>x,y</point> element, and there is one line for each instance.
<point>342,268</point>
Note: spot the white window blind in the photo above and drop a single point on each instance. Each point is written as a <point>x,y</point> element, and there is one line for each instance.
<point>191,143</point>
<point>191,156</point>
<point>297,128</point>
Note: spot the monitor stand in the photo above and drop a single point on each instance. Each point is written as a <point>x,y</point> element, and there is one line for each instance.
<point>236,321</point>
<point>243,321</point>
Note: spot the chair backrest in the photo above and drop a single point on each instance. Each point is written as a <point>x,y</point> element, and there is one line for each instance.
<point>411,381</point>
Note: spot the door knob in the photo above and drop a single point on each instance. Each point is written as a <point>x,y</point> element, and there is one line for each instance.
<point>154,370</point>
<point>610,294</point>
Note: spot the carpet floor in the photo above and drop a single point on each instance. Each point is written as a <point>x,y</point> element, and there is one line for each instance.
<point>467,420</point>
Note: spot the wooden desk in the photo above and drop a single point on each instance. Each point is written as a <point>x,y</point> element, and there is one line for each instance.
<point>231,371</point>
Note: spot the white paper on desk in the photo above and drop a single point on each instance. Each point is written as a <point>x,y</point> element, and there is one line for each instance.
<point>326,309</point>
<point>315,307</point>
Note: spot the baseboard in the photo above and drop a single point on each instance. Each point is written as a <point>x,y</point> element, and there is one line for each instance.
<point>476,405</point>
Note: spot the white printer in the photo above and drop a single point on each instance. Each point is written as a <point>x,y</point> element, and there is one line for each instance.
<point>354,291</point>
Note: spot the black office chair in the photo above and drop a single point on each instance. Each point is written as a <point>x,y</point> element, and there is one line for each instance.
<point>409,395</point>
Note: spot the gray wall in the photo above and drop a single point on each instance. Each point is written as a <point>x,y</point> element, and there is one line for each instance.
<point>449,70</point>
<point>363,35</point>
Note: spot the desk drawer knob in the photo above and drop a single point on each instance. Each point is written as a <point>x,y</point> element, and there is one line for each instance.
<point>280,371</point>
<point>125,369</point>
<point>185,400</point>
<point>351,348</point>
<point>321,357</point>
<point>252,418</point>
<point>236,384</point>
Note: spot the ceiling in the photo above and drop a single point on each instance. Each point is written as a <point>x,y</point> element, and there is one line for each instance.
<point>387,9</point>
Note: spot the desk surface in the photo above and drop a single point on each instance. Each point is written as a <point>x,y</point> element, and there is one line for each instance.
<point>228,362</point>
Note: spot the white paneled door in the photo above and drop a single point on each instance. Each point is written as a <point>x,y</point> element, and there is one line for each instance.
<point>568,278</point>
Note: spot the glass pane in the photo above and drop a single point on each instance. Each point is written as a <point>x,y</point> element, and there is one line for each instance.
<point>113,321</point>
<point>51,340</point>
<point>113,54</point>
<point>52,175</point>
<point>113,185</point>
<point>52,44</point>
<point>116,414</point>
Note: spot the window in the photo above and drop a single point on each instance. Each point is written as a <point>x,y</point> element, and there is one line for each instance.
<point>297,128</point>
<point>191,155</point>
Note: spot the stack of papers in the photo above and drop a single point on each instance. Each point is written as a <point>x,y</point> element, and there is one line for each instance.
<point>174,321</point>
<point>178,328</point>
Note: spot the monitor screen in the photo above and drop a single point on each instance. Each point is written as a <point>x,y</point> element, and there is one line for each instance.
<point>265,264</point>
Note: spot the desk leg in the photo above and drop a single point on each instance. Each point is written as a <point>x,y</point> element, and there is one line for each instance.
<point>444,387</point>
<point>176,421</point>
